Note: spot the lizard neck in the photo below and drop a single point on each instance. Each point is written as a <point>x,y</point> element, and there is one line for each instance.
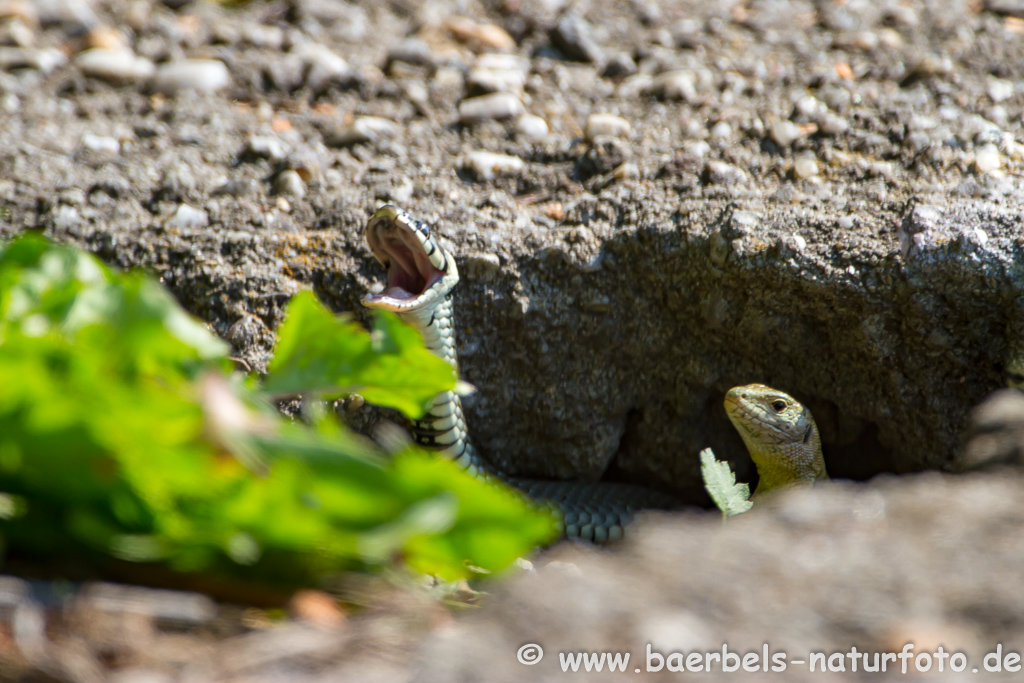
<point>787,463</point>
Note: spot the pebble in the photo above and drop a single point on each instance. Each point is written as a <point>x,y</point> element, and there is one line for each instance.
<point>16,32</point>
<point>805,167</point>
<point>106,37</point>
<point>262,35</point>
<point>20,10</point>
<point>267,147</point>
<point>285,72</point>
<point>619,66</point>
<point>999,90</point>
<point>203,75</point>
<point>675,85</point>
<point>403,191</point>
<point>722,173</point>
<point>114,65</point>
<point>832,124</point>
<point>363,129</point>
<point>987,159</point>
<point>496,80</point>
<point>480,35</point>
<point>324,66</point>
<point>574,37</point>
<point>482,266</point>
<point>488,164</point>
<point>45,60</point>
<point>626,171</point>
<point>9,103</point>
<point>187,217</point>
<point>237,188</point>
<point>98,143</point>
<point>606,124</point>
<point>500,105</point>
<point>289,183</point>
<point>412,51</point>
<point>785,133</point>
<point>532,128</point>
<point>66,217</point>
<point>721,131</point>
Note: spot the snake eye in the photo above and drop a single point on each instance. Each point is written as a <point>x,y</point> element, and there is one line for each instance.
<point>779,406</point>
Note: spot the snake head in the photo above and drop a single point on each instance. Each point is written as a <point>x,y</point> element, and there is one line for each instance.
<point>420,271</point>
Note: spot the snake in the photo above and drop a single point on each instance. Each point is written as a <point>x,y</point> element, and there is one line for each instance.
<point>421,279</point>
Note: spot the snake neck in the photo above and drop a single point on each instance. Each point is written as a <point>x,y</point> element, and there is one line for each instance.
<point>443,427</point>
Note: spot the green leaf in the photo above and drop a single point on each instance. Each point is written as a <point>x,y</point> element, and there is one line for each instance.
<point>320,352</point>
<point>122,436</point>
<point>720,482</point>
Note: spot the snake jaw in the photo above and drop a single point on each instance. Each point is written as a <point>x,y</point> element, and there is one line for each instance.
<point>419,271</point>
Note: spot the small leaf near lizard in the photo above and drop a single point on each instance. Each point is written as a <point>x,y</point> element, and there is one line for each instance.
<point>720,482</point>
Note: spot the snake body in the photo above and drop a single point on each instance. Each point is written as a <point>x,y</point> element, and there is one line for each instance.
<point>421,278</point>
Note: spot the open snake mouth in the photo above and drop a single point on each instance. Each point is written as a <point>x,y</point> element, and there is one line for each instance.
<point>400,244</point>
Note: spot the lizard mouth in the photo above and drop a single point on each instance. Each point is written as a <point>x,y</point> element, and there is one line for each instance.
<point>401,247</point>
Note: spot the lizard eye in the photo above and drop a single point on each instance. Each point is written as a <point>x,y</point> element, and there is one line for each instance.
<point>779,406</point>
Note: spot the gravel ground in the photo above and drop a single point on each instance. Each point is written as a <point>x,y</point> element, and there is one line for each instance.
<point>650,203</point>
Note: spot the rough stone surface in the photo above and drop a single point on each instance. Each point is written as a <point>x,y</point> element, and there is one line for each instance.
<point>890,326</point>
<point>614,289</point>
<point>924,561</point>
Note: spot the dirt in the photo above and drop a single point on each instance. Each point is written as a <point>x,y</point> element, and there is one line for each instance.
<point>821,196</point>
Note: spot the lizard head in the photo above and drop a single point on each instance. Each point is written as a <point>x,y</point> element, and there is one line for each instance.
<point>780,433</point>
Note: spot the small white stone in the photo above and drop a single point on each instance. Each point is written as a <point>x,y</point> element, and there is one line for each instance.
<point>722,173</point>
<point>402,192</point>
<point>263,35</point>
<point>721,131</point>
<point>499,105</point>
<point>999,90</point>
<point>324,65</point>
<point>187,217</point>
<point>48,59</point>
<point>626,171</point>
<point>785,133</point>
<point>9,103</point>
<point>364,129</point>
<point>530,127</point>
<point>805,167</point>
<point>482,266</point>
<point>987,159</point>
<point>699,149</point>
<point>267,147</point>
<point>606,124</point>
<point>488,164</point>
<point>496,80</point>
<point>203,75</point>
<point>114,65</point>
<point>99,143</point>
<point>832,124</point>
<point>289,183</point>
<point>797,243</point>
<point>675,85</point>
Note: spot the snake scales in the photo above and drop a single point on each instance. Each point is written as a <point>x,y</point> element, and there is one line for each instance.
<point>420,282</point>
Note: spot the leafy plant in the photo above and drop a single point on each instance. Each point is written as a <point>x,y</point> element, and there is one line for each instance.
<point>720,482</point>
<point>124,437</point>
